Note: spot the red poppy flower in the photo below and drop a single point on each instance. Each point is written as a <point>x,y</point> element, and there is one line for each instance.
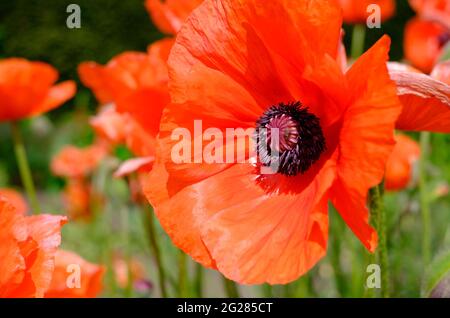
<point>74,162</point>
<point>399,168</point>
<point>27,89</point>
<point>424,42</point>
<point>77,199</point>
<point>68,266</point>
<point>16,199</point>
<point>435,10</point>
<point>426,100</point>
<point>27,251</point>
<point>356,11</point>
<point>230,68</point>
<point>130,81</point>
<point>169,15</point>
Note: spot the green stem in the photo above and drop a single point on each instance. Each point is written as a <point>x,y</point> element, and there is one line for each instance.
<point>424,199</point>
<point>358,39</point>
<point>230,288</point>
<point>154,245</point>
<point>182,275</point>
<point>199,280</point>
<point>24,167</point>
<point>378,216</point>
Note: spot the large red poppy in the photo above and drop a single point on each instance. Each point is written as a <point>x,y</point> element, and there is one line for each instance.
<point>27,89</point>
<point>230,68</point>
<point>27,251</point>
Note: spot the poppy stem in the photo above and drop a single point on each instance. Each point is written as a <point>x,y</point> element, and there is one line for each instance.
<point>231,288</point>
<point>379,218</point>
<point>24,167</point>
<point>199,280</point>
<point>154,245</point>
<point>182,275</point>
<point>424,198</point>
<point>358,40</point>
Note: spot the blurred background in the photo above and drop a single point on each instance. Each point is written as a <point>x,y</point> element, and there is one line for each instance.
<point>36,30</point>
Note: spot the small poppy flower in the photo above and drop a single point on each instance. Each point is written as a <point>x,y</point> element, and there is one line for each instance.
<point>67,266</point>
<point>169,15</point>
<point>74,162</point>
<point>357,11</point>
<point>399,167</point>
<point>77,198</point>
<point>124,270</point>
<point>424,42</point>
<point>434,10</point>
<point>129,81</point>
<point>230,68</point>
<point>15,198</point>
<point>27,251</point>
<point>28,89</point>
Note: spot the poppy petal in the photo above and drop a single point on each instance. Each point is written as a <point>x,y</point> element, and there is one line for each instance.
<point>366,139</point>
<point>57,95</point>
<point>426,102</point>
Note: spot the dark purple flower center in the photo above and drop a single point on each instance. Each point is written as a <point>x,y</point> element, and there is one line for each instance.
<point>299,140</point>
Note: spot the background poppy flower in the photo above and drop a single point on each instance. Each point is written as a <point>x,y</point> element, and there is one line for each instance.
<point>441,72</point>
<point>230,68</point>
<point>91,276</point>
<point>434,10</point>
<point>15,198</point>
<point>399,168</point>
<point>355,11</point>
<point>136,84</point>
<point>27,89</point>
<point>169,15</point>
<point>74,162</point>
<point>424,42</point>
<point>27,251</point>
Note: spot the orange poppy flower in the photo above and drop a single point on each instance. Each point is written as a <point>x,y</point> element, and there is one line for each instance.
<point>356,11</point>
<point>399,168</point>
<point>27,251</point>
<point>110,125</point>
<point>424,42</point>
<point>77,199</point>
<point>16,199</point>
<point>122,271</point>
<point>230,68</point>
<point>169,15</point>
<point>27,89</point>
<point>74,162</point>
<point>74,277</point>
<point>426,100</point>
<point>435,10</point>
<point>130,81</point>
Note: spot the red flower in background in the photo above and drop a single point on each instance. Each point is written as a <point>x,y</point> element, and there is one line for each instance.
<point>16,199</point>
<point>27,251</point>
<point>399,168</point>
<point>231,69</point>
<point>76,165</point>
<point>27,89</point>
<point>169,15</point>
<point>69,264</point>
<point>356,11</point>
<point>427,35</point>
<point>136,85</point>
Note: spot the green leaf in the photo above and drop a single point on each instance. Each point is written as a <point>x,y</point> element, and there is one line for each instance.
<point>437,275</point>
